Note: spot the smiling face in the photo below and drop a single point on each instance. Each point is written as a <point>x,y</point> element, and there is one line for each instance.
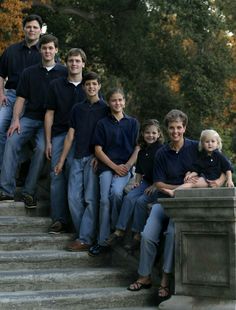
<point>48,52</point>
<point>75,65</point>
<point>176,131</point>
<point>151,134</point>
<point>117,103</point>
<point>32,31</point>
<point>91,88</point>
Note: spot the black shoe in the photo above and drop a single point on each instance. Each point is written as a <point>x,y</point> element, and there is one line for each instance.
<point>114,239</point>
<point>97,249</point>
<point>6,198</point>
<point>57,228</point>
<point>30,201</point>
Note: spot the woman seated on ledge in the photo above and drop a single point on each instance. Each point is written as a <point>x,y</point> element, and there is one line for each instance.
<point>171,164</point>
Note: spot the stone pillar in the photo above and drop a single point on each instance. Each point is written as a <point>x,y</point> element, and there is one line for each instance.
<point>205,249</point>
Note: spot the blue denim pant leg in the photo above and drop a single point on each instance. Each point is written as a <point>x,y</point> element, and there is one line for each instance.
<point>38,158</point>
<point>89,222</point>
<point>111,194</point>
<point>141,211</point>
<point>128,205</point>
<point>59,183</point>
<point>12,153</point>
<point>76,192</point>
<point>156,222</point>
<point>116,196</point>
<point>5,120</point>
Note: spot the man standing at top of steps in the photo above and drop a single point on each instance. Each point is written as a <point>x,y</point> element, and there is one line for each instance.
<point>13,61</point>
<point>64,92</point>
<point>32,92</point>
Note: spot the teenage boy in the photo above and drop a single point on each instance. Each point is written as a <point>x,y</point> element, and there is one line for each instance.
<point>13,61</point>
<point>63,94</point>
<point>32,93</point>
<point>83,182</point>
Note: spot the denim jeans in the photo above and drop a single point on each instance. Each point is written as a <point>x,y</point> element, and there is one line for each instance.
<point>30,128</point>
<point>59,183</point>
<point>156,223</point>
<point>83,198</point>
<point>6,112</point>
<point>111,196</point>
<point>135,205</point>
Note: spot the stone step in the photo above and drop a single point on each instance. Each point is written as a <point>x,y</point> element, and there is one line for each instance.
<point>17,208</point>
<point>44,241</point>
<point>21,224</point>
<point>59,279</point>
<point>86,298</point>
<point>28,260</point>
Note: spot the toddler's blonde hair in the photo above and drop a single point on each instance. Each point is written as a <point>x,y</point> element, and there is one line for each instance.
<point>209,133</point>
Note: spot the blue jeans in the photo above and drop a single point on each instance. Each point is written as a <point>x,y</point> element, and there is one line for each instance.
<point>135,205</point>
<point>59,183</point>
<point>83,198</point>
<point>111,197</point>
<point>6,112</point>
<point>156,223</point>
<point>30,128</point>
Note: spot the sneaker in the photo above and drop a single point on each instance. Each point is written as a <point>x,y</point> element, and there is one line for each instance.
<point>57,228</point>
<point>114,239</point>
<point>6,198</point>
<point>78,246</point>
<point>30,201</point>
<point>97,249</point>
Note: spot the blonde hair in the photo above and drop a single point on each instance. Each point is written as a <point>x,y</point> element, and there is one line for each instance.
<point>209,133</point>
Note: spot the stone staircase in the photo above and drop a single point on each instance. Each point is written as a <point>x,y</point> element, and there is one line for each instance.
<point>37,273</point>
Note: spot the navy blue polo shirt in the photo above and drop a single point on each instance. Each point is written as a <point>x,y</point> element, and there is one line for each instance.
<point>170,166</point>
<point>15,59</point>
<point>212,166</point>
<point>117,139</point>
<point>34,86</point>
<point>145,161</point>
<point>62,96</point>
<point>84,118</point>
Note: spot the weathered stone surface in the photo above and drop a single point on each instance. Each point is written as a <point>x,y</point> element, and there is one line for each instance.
<point>205,252</point>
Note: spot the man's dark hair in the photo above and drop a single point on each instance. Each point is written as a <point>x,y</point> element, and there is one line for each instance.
<point>30,18</point>
<point>48,38</point>
<point>91,76</point>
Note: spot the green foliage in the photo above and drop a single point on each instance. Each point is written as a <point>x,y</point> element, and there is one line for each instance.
<point>140,44</point>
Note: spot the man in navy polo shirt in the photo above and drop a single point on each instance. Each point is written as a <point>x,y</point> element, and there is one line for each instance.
<point>83,182</point>
<point>63,94</point>
<point>32,93</point>
<point>13,61</point>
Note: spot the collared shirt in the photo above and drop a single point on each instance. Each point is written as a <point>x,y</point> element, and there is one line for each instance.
<point>211,166</point>
<point>15,59</point>
<point>145,161</point>
<point>117,138</point>
<point>34,86</point>
<point>84,118</point>
<point>170,166</point>
<point>63,95</point>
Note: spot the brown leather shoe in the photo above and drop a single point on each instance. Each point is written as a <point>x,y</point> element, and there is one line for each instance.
<point>78,246</point>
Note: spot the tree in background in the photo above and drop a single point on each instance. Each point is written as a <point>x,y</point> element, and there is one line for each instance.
<point>166,54</point>
<point>11,15</point>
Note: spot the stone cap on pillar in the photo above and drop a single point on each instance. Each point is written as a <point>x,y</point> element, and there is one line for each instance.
<point>201,203</point>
